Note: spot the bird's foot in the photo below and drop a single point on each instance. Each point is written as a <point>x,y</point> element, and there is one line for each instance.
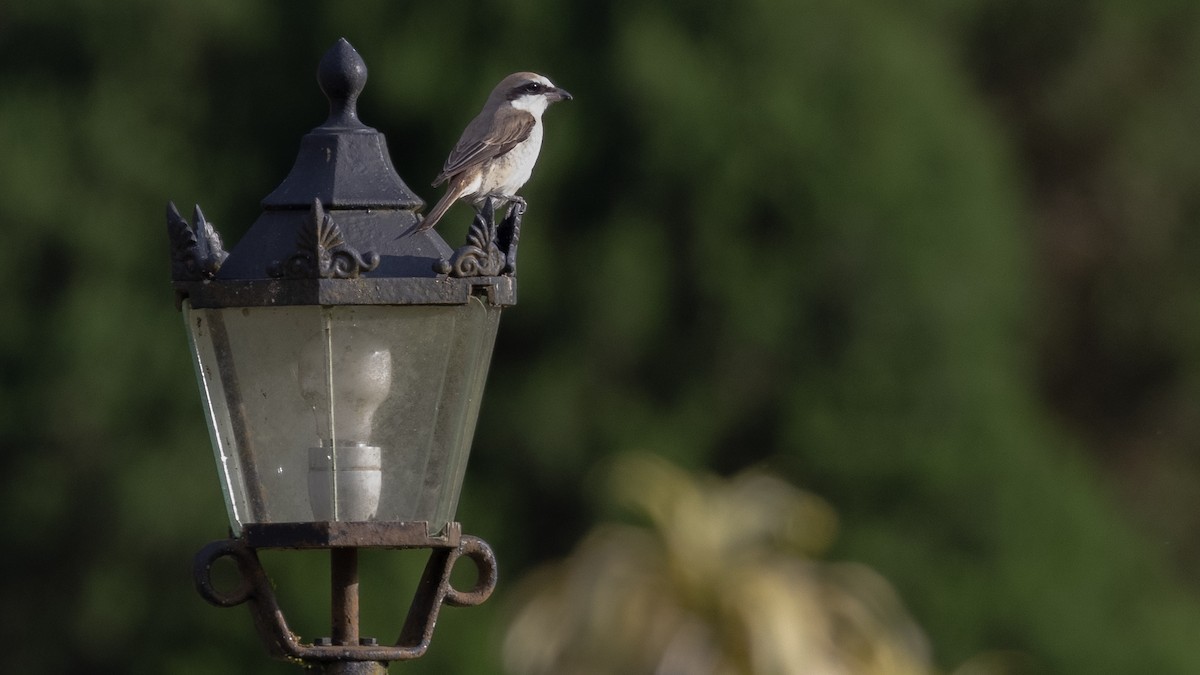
<point>516,207</point>
<point>509,232</point>
<point>498,202</point>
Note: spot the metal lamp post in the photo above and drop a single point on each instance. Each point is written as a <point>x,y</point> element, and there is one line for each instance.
<point>341,358</point>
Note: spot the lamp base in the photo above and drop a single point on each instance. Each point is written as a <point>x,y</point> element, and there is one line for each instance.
<point>346,488</point>
<point>339,534</point>
<point>346,649</point>
<point>354,668</point>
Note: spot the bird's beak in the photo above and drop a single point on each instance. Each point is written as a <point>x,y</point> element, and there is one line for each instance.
<point>560,94</point>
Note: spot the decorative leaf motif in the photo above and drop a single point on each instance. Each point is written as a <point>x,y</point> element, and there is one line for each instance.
<point>490,249</point>
<point>322,252</point>
<point>196,249</point>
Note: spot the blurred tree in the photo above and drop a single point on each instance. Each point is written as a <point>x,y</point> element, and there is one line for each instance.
<point>718,577</point>
<point>1099,100</point>
<point>882,250</point>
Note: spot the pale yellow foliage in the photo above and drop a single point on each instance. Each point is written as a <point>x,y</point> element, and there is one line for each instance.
<point>721,579</point>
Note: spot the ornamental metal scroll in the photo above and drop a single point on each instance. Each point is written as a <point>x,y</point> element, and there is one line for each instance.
<point>196,249</point>
<point>491,248</point>
<point>322,252</point>
<point>432,592</point>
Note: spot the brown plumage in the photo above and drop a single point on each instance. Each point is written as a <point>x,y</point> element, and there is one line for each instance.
<point>496,152</point>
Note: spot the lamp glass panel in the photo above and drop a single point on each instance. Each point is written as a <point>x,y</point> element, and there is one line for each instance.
<point>349,413</point>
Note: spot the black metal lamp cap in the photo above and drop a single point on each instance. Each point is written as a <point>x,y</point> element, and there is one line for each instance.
<point>341,228</point>
<point>343,162</point>
<point>342,75</point>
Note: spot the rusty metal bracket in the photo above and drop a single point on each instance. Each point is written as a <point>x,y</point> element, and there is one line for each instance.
<point>434,590</point>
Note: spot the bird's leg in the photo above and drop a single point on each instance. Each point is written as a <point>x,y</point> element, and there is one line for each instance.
<point>500,201</point>
<point>510,232</point>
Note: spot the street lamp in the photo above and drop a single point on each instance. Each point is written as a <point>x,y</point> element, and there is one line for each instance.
<point>341,357</point>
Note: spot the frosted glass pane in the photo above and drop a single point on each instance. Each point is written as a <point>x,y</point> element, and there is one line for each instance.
<point>343,413</point>
<point>216,413</point>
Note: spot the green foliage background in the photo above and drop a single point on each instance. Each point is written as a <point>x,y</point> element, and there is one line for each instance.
<point>931,262</point>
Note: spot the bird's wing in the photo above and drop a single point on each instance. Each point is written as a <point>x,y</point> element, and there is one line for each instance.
<point>486,138</point>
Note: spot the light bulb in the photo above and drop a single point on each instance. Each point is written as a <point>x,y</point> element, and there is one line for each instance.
<point>344,376</point>
<point>344,380</point>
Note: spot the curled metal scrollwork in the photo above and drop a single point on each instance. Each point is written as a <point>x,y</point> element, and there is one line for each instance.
<point>485,562</point>
<point>491,247</point>
<point>322,252</point>
<point>196,250</point>
<point>433,591</point>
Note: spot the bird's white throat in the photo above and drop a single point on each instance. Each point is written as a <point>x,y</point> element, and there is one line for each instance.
<point>533,104</point>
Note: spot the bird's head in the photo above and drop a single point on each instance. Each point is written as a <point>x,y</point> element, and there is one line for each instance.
<point>529,91</point>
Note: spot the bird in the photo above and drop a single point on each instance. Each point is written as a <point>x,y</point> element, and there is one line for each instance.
<point>496,152</point>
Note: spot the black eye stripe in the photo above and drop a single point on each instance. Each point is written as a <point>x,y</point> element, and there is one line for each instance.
<point>527,88</point>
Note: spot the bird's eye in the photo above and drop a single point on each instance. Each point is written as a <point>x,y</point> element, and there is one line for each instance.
<point>533,87</point>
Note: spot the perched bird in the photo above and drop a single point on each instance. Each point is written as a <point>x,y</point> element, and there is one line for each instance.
<point>497,150</point>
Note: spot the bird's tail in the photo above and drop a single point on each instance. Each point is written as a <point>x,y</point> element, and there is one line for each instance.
<point>439,209</point>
